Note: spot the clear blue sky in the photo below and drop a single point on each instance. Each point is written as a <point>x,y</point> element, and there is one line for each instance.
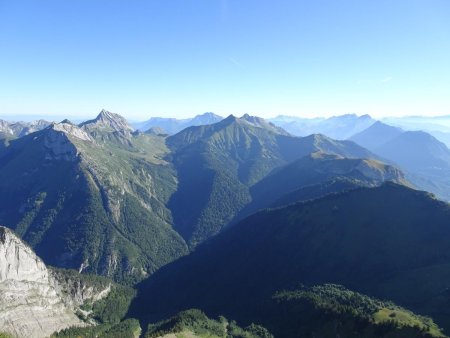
<point>184,57</point>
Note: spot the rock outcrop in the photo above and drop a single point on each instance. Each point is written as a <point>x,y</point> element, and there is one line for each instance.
<point>19,129</point>
<point>109,127</point>
<point>108,121</point>
<point>30,305</point>
<point>58,141</point>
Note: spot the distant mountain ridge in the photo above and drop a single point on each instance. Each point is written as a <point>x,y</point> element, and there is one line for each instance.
<point>173,125</point>
<point>337,127</point>
<point>19,129</point>
<point>376,135</point>
<point>424,158</point>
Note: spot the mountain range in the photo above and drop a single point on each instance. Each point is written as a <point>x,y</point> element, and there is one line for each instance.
<point>425,160</point>
<point>233,227</point>
<point>166,194</point>
<point>18,129</point>
<point>337,127</point>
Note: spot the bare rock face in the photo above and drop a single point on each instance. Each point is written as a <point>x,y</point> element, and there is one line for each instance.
<point>108,126</point>
<point>58,141</point>
<point>108,121</point>
<point>72,130</point>
<point>24,128</point>
<point>30,305</point>
<point>19,129</point>
<point>5,128</point>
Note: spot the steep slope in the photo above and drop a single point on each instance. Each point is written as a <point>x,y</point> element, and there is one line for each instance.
<point>441,136</point>
<point>337,127</point>
<point>36,301</point>
<point>376,135</point>
<point>425,123</point>
<point>5,129</point>
<point>88,204</point>
<point>173,125</point>
<point>391,242</point>
<point>109,127</point>
<point>30,305</point>
<point>217,164</point>
<point>109,122</point>
<point>262,123</point>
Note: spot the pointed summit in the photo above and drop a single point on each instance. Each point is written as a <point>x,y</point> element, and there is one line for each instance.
<point>376,135</point>
<point>108,121</point>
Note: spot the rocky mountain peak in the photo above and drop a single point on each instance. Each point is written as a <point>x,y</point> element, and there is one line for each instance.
<point>108,120</point>
<point>5,128</point>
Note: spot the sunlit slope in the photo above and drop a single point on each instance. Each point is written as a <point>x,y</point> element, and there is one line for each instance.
<point>90,205</point>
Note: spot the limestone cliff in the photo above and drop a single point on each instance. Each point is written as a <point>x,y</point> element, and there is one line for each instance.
<point>31,304</point>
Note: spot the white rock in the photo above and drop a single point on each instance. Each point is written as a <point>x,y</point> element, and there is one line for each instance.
<point>30,306</point>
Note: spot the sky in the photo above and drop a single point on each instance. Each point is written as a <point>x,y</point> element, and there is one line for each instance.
<point>180,58</point>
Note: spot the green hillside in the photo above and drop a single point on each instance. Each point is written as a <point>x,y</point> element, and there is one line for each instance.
<point>316,169</point>
<point>331,310</point>
<point>391,242</point>
<point>102,198</point>
<point>90,206</point>
<point>194,323</point>
<point>218,164</point>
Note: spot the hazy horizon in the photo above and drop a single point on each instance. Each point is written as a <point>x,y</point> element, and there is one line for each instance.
<point>58,118</point>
